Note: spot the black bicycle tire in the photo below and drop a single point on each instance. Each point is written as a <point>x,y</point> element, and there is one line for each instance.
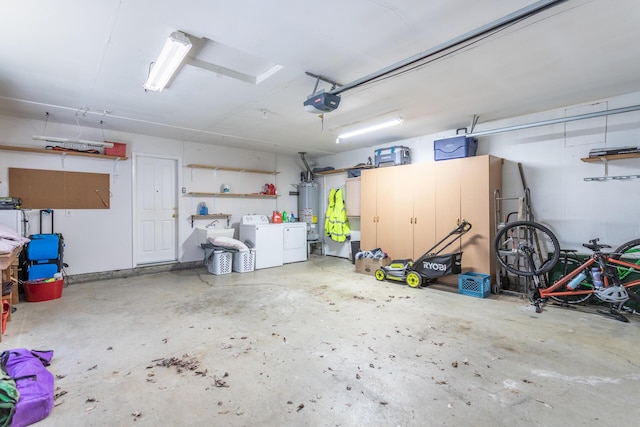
<point>545,267</point>
<point>569,299</point>
<point>624,248</point>
<point>634,291</point>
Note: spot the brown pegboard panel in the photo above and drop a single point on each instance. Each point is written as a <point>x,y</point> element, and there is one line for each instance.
<point>44,189</point>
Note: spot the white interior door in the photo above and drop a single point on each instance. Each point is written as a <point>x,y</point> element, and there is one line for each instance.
<point>156,210</point>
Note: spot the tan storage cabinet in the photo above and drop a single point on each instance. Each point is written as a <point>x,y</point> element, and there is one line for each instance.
<point>405,210</point>
<point>353,196</point>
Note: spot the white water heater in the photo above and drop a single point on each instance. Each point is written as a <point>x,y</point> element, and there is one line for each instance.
<point>308,208</point>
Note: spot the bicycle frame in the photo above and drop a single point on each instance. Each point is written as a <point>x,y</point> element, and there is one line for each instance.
<point>609,276</point>
<point>627,272</point>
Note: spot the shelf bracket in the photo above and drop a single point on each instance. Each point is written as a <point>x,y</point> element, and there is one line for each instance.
<point>606,172</point>
<point>606,166</point>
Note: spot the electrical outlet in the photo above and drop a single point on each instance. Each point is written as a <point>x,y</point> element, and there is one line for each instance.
<point>184,190</point>
<point>67,212</point>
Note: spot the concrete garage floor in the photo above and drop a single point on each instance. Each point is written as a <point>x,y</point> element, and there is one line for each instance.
<point>315,344</point>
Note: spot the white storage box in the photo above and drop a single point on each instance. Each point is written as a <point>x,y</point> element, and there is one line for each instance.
<point>244,261</point>
<point>220,262</point>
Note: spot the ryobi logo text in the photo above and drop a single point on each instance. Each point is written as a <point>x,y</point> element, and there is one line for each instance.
<point>434,266</point>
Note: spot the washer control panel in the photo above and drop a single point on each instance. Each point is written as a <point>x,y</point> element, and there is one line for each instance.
<point>254,219</point>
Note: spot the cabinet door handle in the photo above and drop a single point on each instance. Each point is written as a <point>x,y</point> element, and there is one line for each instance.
<point>415,220</point>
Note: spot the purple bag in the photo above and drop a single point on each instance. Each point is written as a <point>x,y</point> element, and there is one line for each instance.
<point>34,382</point>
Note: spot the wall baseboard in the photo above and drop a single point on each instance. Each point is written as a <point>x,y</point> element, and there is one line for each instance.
<point>130,272</point>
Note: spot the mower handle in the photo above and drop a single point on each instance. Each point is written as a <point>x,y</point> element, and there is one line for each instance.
<point>463,227</point>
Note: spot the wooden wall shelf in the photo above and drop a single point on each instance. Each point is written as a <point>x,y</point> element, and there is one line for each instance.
<point>60,152</point>
<point>224,168</point>
<point>610,157</point>
<point>236,195</point>
<point>342,170</point>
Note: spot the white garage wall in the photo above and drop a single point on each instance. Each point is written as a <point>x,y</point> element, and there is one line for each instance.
<point>575,210</point>
<point>101,240</point>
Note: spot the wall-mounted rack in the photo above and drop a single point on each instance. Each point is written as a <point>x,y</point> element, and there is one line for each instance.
<point>612,178</point>
<point>605,161</point>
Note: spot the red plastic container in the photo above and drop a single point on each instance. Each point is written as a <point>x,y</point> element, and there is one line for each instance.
<point>119,149</point>
<point>41,290</point>
<point>6,307</point>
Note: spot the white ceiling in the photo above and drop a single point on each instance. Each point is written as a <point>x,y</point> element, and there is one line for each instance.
<point>85,61</point>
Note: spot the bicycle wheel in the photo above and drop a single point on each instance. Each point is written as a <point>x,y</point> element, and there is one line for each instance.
<point>567,265</point>
<point>629,252</point>
<point>526,248</point>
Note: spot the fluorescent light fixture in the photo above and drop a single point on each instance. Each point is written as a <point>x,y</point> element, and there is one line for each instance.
<point>175,49</point>
<point>372,128</point>
<point>56,140</point>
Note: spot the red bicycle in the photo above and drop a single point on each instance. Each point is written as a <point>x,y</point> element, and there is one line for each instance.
<point>531,250</point>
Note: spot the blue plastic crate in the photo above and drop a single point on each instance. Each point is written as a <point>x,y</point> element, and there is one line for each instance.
<point>474,284</point>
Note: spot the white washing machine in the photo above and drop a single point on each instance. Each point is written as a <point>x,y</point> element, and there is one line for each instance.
<point>295,241</point>
<point>268,239</point>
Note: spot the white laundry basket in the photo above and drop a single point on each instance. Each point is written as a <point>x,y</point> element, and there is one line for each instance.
<point>220,262</point>
<point>244,261</point>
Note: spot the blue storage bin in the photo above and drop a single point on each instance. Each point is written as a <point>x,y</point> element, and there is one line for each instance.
<point>42,271</point>
<point>43,246</point>
<point>454,148</point>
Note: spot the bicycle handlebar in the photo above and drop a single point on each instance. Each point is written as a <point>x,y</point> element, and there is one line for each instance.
<point>595,246</point>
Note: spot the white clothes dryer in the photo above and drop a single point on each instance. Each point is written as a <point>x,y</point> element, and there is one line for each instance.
<point>295,241</point>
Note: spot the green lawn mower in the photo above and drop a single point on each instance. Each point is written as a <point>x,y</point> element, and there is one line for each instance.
<point>430,265</point>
